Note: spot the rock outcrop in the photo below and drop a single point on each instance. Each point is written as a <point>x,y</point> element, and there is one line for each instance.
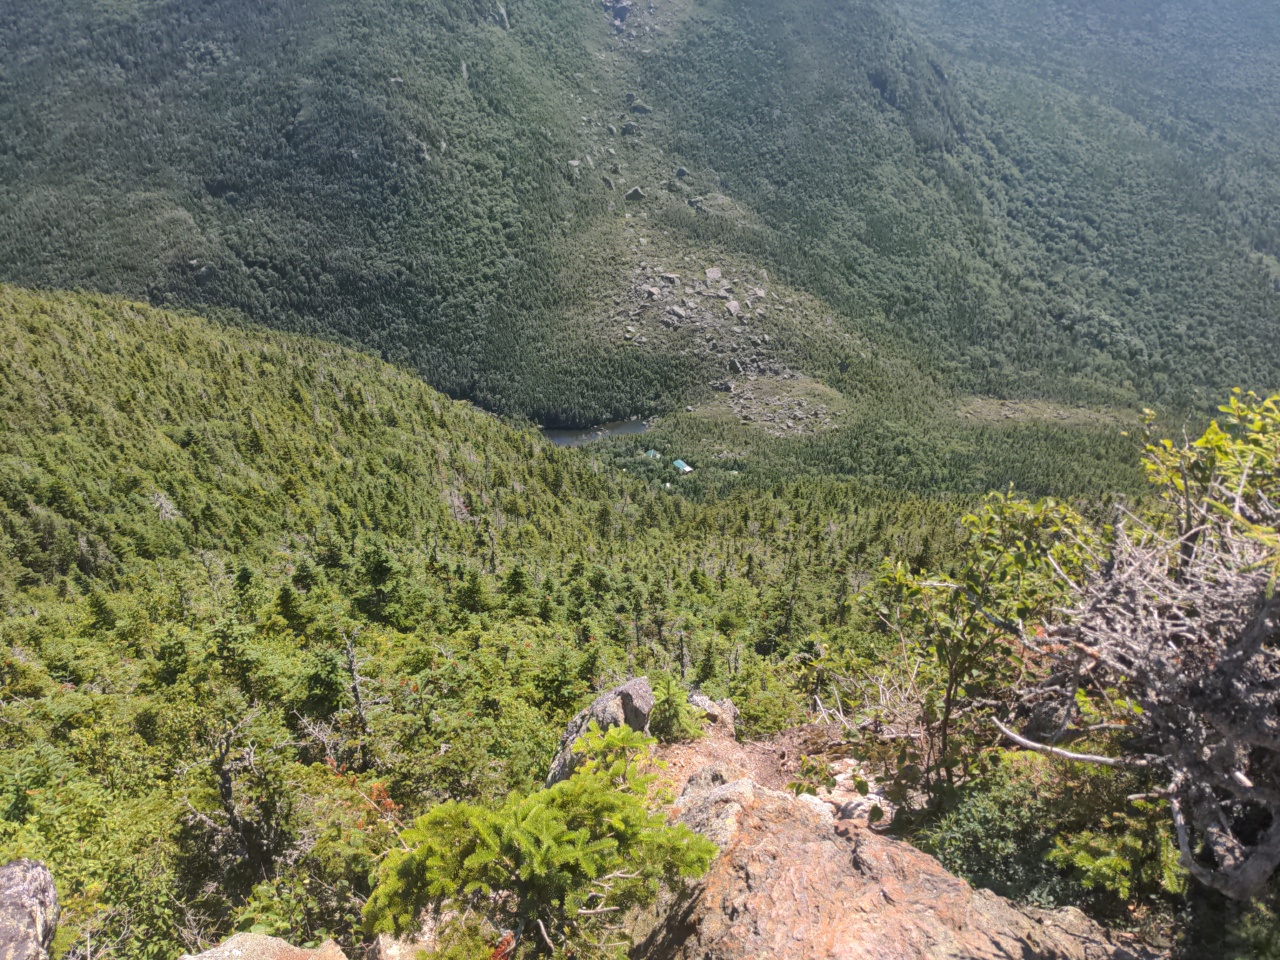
<point>256,946</point>
<point>28,911</point>
<point>718,712</point>
<point>792,882</point>
<point>627,705</point>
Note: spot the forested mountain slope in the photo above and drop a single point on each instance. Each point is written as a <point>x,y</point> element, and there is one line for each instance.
<point>208,536</point>
<point>1144,139</point>
<point>451,184</point>
<point>266,594</point>
<point>265,599</point>
<point>1002,226</point>
<point>391,172</point>
<point>1201,75</point>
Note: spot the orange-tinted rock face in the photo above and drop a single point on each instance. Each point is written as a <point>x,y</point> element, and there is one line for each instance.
<point>792,881</point>
<point>254,946</point>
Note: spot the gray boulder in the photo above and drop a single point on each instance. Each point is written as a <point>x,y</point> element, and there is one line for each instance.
<point>627,705</point>
<point>28,911</point>
<point>719,712</point>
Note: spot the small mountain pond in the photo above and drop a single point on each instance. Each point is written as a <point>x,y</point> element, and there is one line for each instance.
<point>579,436</point>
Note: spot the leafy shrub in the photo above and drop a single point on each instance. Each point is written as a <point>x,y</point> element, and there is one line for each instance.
<point>1255,934</point>
<point>959,643</point>
<point>766,704</point>
<point>1213,926</point>
<point>556,865</point>
<point>814,775</point>
<point>1132,850</point>
<point>1040,832</point>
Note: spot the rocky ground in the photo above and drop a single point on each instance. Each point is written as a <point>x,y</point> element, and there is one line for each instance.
<point>740,328</point>
<point>664,293</point>
<point>806,878</point>
<point>790,406</point>
<point>810,876</point>
<point>28,911</point>
<point>716,318</point>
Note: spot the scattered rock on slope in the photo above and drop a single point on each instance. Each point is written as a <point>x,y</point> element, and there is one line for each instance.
<point>629,705</point>
<point>408,946</point>
<point>28,911</point>
<point>256,946</point>
<point>721,714</point>
<point>794,883</point>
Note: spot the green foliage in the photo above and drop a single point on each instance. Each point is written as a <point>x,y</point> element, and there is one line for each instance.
<point>673,717</point>
<point>404,600</point>
<point>559,862</point>
<point>1054,835</point>
<point>426,179</point>
<point>1033,828</point>
<point>1254,934</point>
<point>407,598</point>
<point>1213,926</point>
<point>107,851</point>
<point>409,193</point>
<point>958,636</point>
<point>1118,856</point>
<point>1243,456</point>
<point>765,699</point>
<point>1050,168</point>
<point>248,635</point>
<point>813,775</point>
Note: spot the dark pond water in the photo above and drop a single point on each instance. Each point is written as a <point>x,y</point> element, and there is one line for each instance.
<point>576,438</point>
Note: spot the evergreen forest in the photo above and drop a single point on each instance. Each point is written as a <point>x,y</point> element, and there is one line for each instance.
<point>937,314</point>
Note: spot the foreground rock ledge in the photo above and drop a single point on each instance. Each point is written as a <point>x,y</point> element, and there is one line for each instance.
<point>793,882</point>
<point>256,946</point>
<point>28,911</point>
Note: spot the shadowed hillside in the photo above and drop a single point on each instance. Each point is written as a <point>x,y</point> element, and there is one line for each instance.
<point>481,192</point>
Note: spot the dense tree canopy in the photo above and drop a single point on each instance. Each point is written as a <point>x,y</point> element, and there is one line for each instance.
<point>429,179</point>
<point>272,607</point>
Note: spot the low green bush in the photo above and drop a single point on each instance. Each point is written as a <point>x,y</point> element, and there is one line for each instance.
<point>556,866</point>
<point>1051,834</point>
